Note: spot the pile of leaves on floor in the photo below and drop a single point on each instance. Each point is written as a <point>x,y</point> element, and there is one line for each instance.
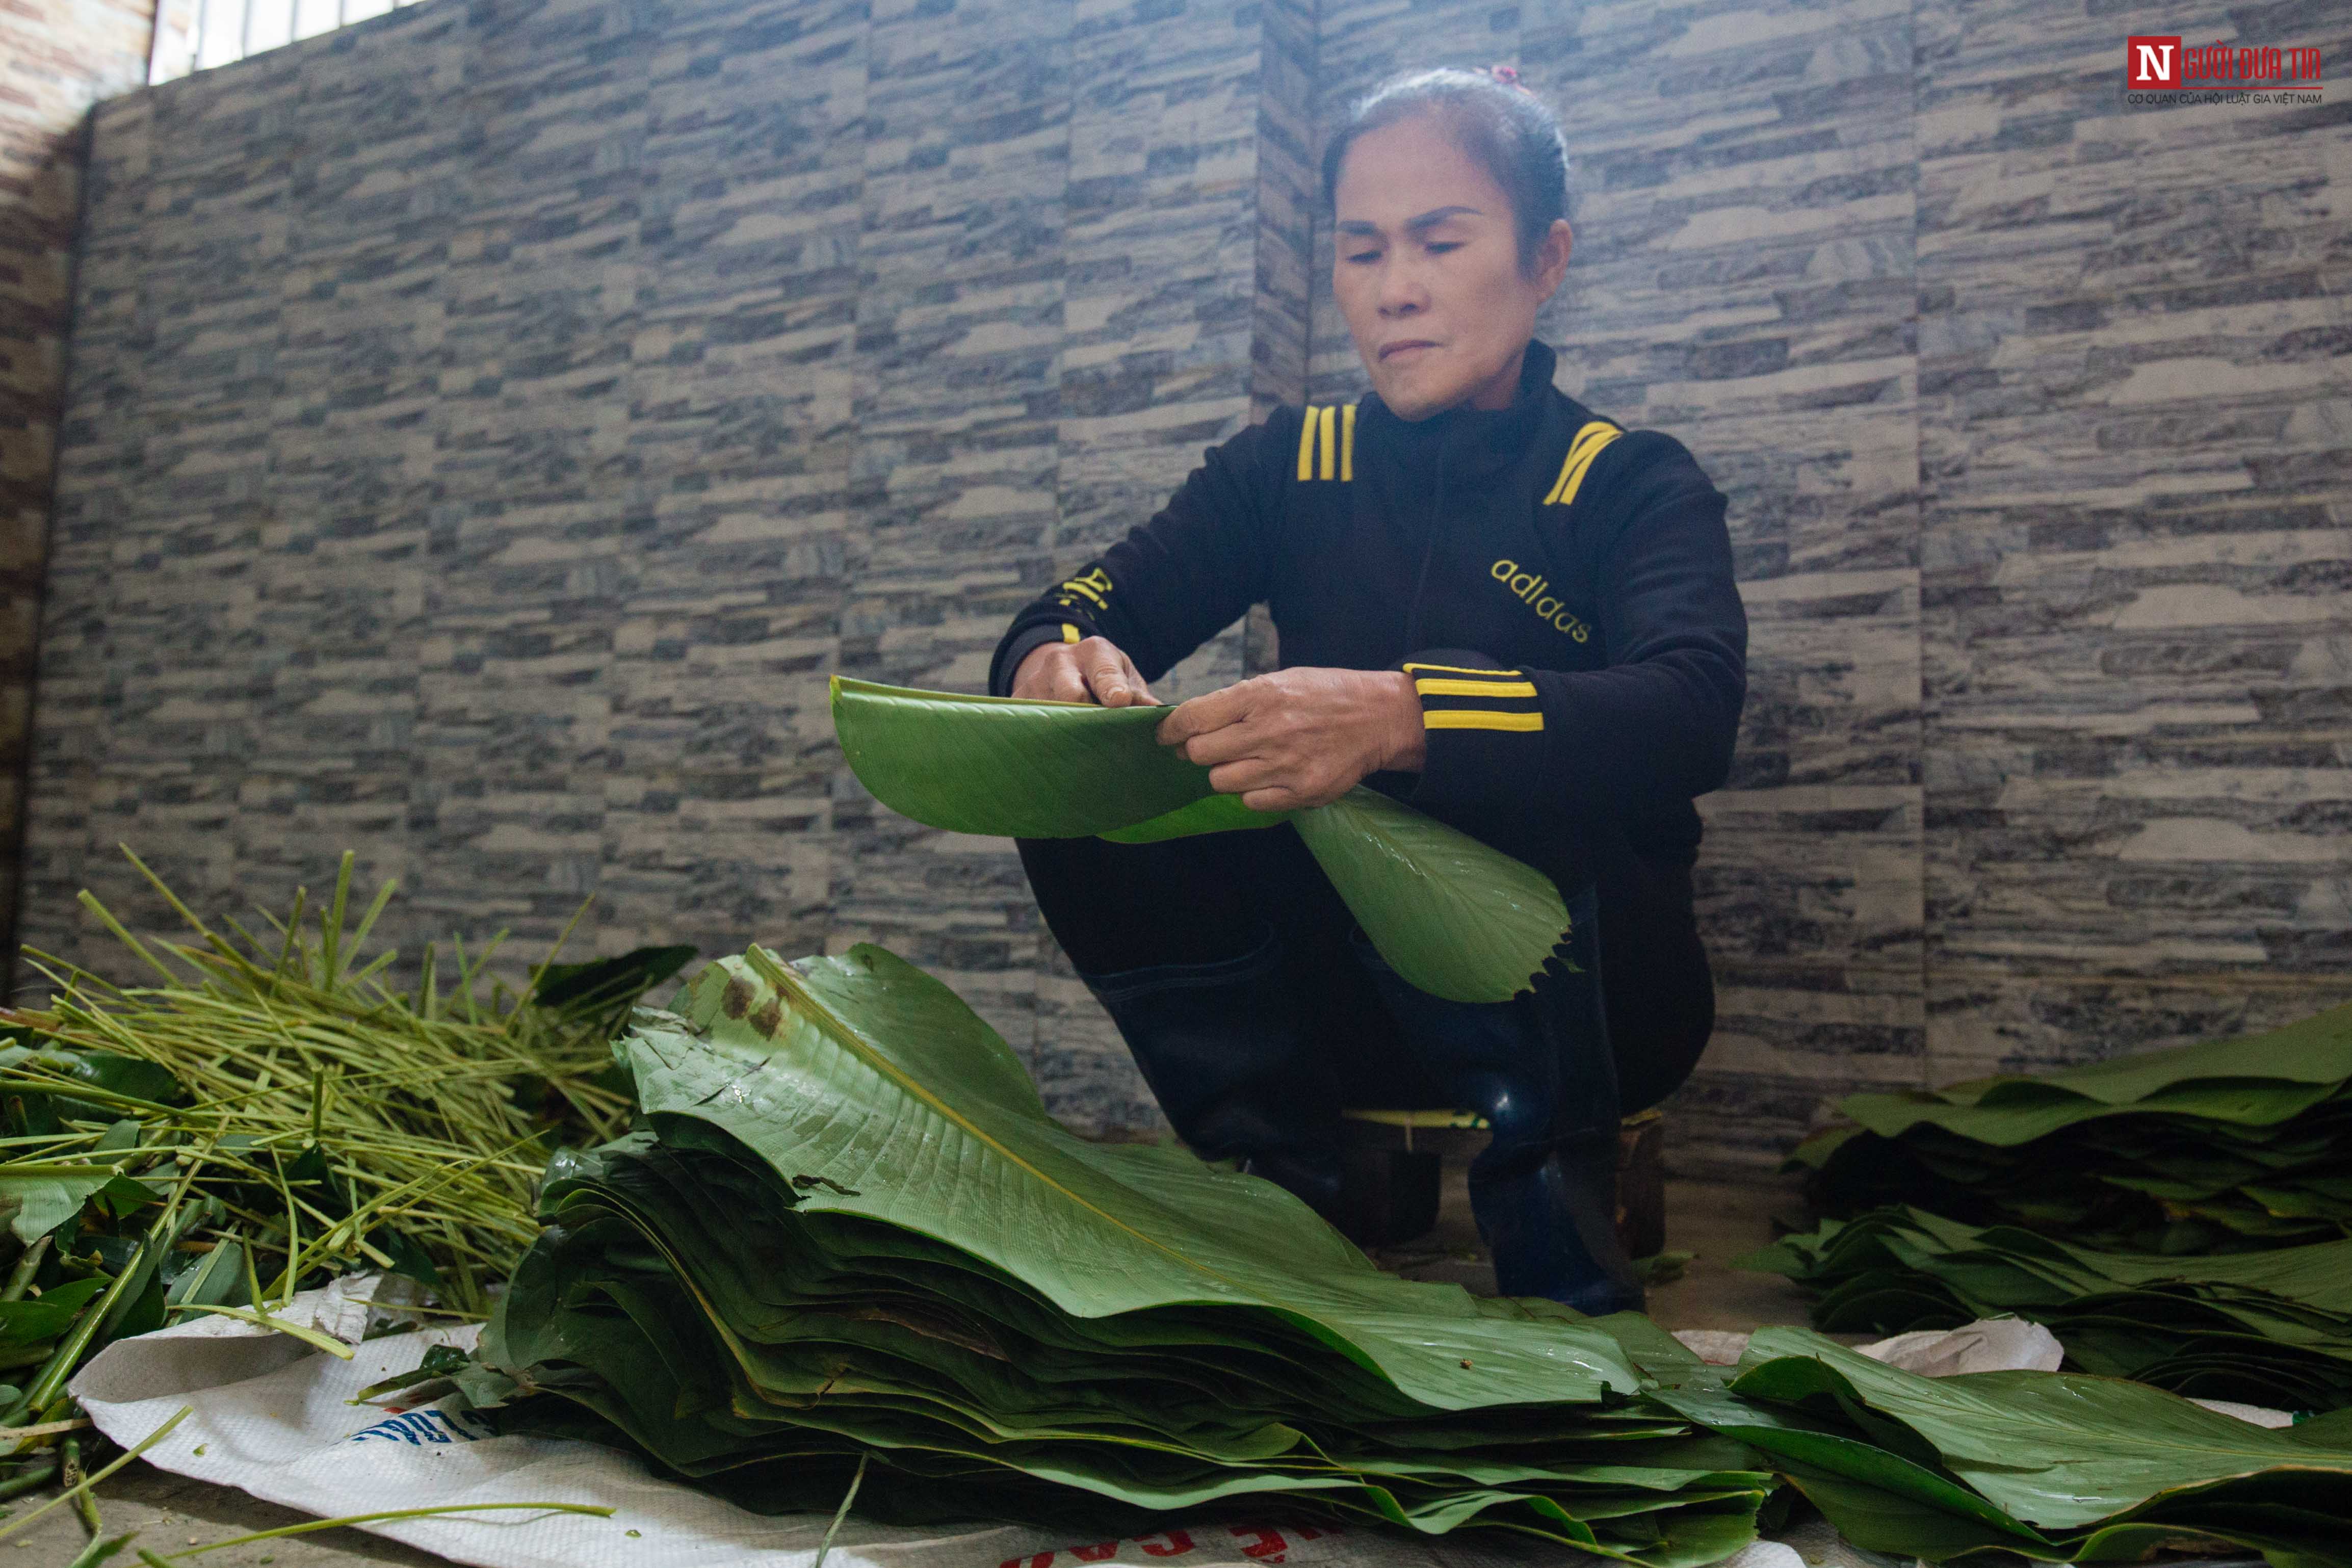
<point>2264,1328</point>
<point>2177,1217</point>
<point>846,1256</point>
<point>849,1241</point>
<point>2228,1146</point>
<point>2048,1465</point>
<point>265,1116</point>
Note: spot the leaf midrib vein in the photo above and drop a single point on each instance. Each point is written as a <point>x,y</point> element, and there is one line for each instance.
<point>780,979</point>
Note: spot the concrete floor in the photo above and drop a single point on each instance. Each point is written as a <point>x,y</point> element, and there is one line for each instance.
<point>1714,1223</point>
<point>172,1514</point>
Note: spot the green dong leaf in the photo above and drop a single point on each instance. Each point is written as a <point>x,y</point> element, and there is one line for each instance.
<point>1454,917</point>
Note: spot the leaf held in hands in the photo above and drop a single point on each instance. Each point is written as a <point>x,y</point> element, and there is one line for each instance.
<point>1452,916</point>
<point>1010,768</point>
<point>1211,813</point>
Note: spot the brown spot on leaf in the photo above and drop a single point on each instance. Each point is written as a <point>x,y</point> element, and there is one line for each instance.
<point>806,1182</point>
<point>768,1019</point>
<point>736,1000</point>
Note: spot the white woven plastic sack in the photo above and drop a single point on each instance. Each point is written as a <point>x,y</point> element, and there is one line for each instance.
<point>273,1417</point>
<point>1988,1344</point>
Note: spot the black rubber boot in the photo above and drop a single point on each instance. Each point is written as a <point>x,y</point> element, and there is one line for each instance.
<point>1224,1050</point>
<point>1539,1069</point>
<point>1553,1230</point>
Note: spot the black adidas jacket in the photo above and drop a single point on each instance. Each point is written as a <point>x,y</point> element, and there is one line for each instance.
<point>1560,589</point>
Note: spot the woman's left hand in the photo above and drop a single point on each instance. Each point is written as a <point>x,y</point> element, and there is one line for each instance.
<point>1300,737</point>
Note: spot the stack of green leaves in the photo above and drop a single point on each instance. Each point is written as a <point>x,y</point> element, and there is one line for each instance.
<point>1455,918</point>
<point>848,1246</point>
<point>847,1258</point>
<point>2232,1145</point>
<point>2051,1467</point>
<point>2262,1328</point>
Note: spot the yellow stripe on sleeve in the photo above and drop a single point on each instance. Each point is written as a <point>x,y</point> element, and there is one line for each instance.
<point>1070,632</point>
<point>1575,450</point>
<point>1590,439</point>
<point>1348,441</point>
<point>1326,439</point>
<point>1306,445</point>
<point>1474,687</point>
<point>1074,586</point>
<point>1458,669</point>
<point>1472,718</point>
<point>1573,479</point>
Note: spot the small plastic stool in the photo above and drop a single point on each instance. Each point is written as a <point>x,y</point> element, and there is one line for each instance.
<point>1393,1164</point>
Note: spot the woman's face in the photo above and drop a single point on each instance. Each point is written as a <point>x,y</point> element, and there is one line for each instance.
<point>1427,271</point>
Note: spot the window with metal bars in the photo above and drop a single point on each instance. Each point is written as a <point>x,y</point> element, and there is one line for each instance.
<point>196,35</point>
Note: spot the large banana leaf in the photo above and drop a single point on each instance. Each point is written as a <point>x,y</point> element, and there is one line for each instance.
<point>868,1077</point>
<point>1007,766</point>
<point>1210,813</point>
<point>1452,916</point>
<point>849,1230</point>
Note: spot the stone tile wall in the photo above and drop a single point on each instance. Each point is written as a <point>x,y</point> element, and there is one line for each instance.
<point>491,424</point>
<point>2135,452</point>
<point>57,57</point>
<point>496,421</point>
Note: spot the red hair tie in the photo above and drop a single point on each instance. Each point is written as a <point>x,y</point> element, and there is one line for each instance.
<point>1507,75</point>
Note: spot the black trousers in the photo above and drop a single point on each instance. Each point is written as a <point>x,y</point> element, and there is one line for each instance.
<point>1136,915</point>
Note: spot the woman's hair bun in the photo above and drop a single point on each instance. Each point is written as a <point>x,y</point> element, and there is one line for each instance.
<point>1494,118</point>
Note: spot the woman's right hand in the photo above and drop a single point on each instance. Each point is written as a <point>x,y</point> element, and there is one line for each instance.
<point>1092,671</point>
